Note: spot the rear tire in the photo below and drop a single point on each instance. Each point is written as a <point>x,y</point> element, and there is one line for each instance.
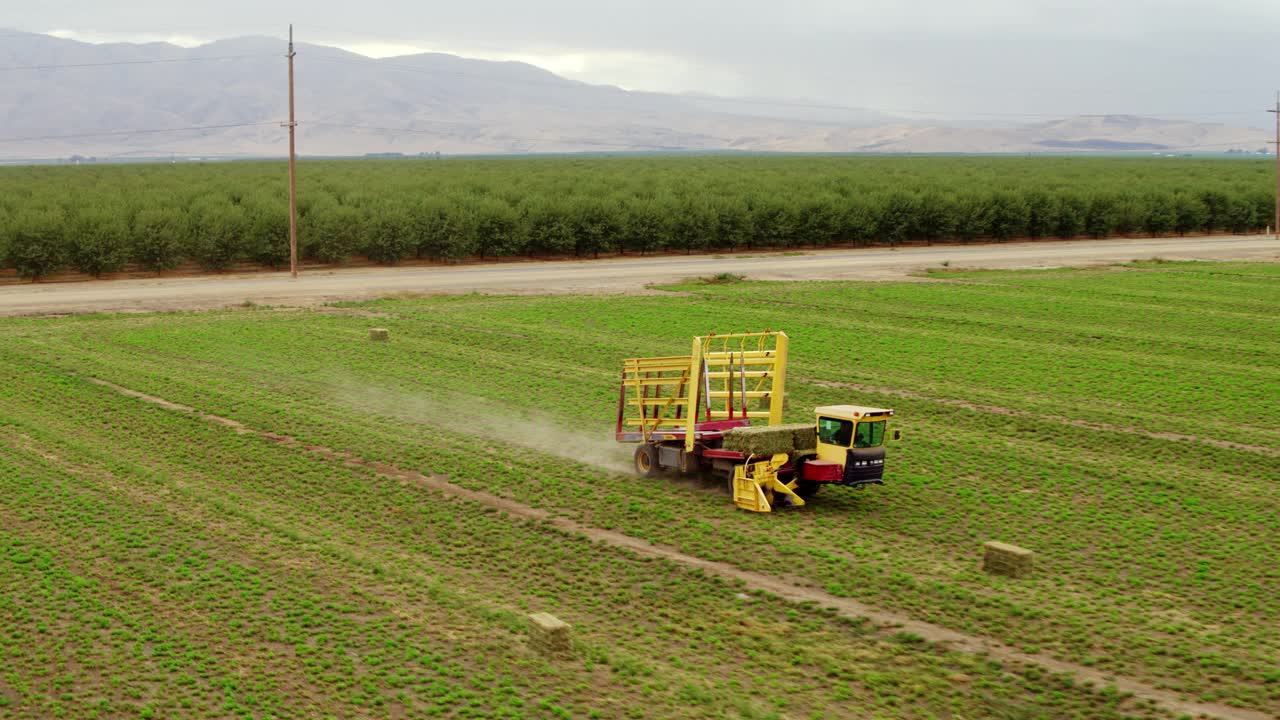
<point>646,461</point>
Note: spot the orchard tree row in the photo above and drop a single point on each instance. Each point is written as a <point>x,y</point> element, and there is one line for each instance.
<point>99,220</point>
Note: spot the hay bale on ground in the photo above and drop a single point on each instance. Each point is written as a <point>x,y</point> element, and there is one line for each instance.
<point>379,334</point>
<point>549,635</point>
<point>1009,560</point>
<point>764,441</point>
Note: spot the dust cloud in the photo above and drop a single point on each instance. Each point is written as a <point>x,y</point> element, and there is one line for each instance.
<point>479,416</point>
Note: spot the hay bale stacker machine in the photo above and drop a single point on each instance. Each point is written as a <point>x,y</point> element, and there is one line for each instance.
<point>693,414</point>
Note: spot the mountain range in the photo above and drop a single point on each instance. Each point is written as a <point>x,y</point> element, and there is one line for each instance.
<point>63,98</point>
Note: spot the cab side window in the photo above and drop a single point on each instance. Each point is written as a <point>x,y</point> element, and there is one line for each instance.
<point>834,431</point>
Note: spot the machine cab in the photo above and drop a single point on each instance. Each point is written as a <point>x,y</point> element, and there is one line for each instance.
<point>853,437</point>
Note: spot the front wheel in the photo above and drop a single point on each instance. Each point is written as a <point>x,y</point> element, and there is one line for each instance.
<point>807,488</point>
<point>646,461</point>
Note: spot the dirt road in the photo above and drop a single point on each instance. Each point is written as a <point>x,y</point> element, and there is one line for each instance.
<point>608,275</point>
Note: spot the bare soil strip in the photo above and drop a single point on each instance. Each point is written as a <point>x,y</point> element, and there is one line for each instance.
<point>888,621</point>
<point>1012,412</point>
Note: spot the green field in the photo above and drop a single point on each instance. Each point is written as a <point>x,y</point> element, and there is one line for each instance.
<point>101,219</point>
<point>1122,422</point>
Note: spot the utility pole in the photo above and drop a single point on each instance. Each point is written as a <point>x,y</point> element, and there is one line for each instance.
<point>293,171</point>
<point>1276,228</point>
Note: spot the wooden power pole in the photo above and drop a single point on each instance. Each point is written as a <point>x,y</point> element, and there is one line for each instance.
<point>1276,227</point>
<point>293,171</point>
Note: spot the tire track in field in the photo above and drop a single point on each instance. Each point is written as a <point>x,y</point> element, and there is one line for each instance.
<point>889,622</point>
<point>1063,419</point>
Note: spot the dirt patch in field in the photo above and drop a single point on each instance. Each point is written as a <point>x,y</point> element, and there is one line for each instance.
<point>352,312</point>
<point>889,622</point>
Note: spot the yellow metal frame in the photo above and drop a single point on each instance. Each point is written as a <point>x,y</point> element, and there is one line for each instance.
<point>719,380</point>
<point>756,485</point>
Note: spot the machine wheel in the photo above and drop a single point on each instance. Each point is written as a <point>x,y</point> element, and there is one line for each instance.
<point>807,488</point>
<point>646,461</point>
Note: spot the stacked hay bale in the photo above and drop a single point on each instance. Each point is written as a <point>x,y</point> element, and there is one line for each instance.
<point>768,441</point>
<point>805,436</point>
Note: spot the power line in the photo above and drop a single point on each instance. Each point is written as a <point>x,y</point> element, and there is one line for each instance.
<point>149,131</point>
<point>131,62</point>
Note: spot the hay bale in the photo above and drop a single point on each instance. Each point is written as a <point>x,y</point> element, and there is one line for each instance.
<point>764,441</point>
<point>549,635</point>
<point>379,334</point>
<point>1009,560</point>
<point>805,437</point>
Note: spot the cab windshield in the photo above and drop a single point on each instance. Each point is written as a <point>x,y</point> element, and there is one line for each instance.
<point>869,434</point>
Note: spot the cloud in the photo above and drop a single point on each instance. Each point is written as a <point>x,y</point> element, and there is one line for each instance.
<point>186,41</point>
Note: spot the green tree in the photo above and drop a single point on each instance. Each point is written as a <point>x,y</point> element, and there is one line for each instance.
<point>36,242</point>
<point>1240,215</point>
<point>218,231</point>
<point>1192,214</point>
<point>445,228</point>
<point>1042,214</point>
<point>935,216</point>
<point>389,234</point>
<point>1162,214</point>
<point>266,234</point>
<point>597,225</point>
<point>819,219</point>
<point>329,233</point>
<point>1008,215</point>
<point>972,216</point>
<point>159,235</point>
<point>648,225</point>
<point>1264,207</point>
<point>896,221</point>
<point>693,225</point>
<point>774,221</point>
<point>1101,216</point>
<point>98,240</point>
<point>499,232</point>
<point>857,221</point>
<point>6,222</point>
<point>1215,204</point>
<point>549,226</point>
<point>1072,213</point>
<point>1131,214</point>
<point>733,222</point>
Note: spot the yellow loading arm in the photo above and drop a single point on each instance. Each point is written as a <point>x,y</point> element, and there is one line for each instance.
<point>756,485</point>
<point>725,377</point>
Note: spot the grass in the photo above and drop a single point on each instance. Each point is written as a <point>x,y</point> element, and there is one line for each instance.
<point>1088,415</point>
<point>723,278</point>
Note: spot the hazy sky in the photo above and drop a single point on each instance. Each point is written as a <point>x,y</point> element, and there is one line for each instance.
<point>937,56</point>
